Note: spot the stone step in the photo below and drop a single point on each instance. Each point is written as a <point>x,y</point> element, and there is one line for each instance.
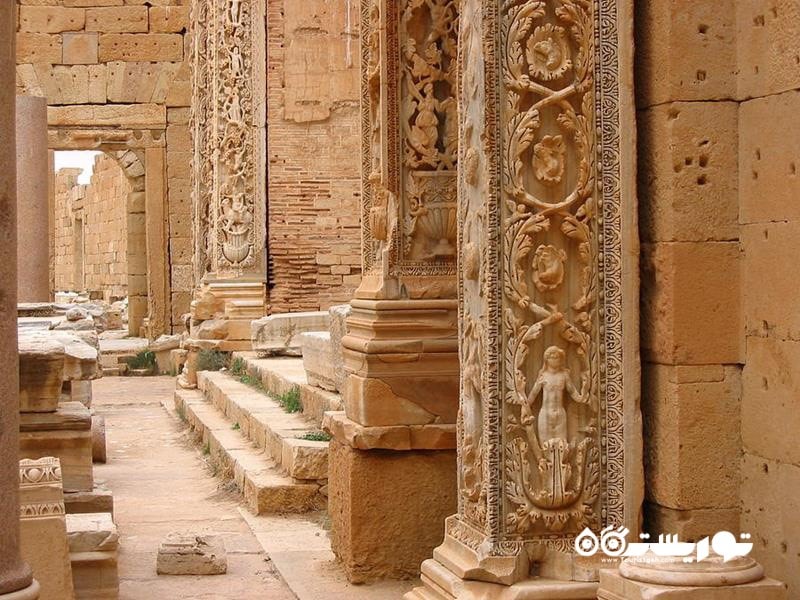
<point>280,374</point>
<point>264,422</point>
<point>265,489</point>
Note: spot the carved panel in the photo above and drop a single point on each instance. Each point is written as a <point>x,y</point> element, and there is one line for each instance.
<point>228,130</point>
<point>410,136</point>
<point>541,440</point>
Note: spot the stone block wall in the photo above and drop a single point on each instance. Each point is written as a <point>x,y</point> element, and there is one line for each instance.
<point>314,153</point>
<point>118,65</point>
<point>718,94</point>
<point>101,209</point>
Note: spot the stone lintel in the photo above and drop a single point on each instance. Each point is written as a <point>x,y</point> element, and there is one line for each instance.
<point>133,116</point>
<point>398,437</point>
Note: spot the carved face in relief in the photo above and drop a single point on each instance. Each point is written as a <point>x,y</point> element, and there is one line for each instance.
<point>548,52</point>
<point>548,267</point>
<point>548,159</point>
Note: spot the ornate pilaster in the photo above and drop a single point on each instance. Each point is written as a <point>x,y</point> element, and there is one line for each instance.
<point>228,125</point>
<point>401,350</point>
<point>549,432</point>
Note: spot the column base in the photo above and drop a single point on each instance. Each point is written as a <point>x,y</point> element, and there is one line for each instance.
<point>388,508</point>
<point>29,593</point>
<point>440,583</point>
<point>614,586</point>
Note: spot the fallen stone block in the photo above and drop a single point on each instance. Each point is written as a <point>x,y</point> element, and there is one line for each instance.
<point>93,546</point>
<point>41,371</point>
<point>187,554</point>
<point>280,334</point>
<point>338,328</point>
<point>318,359</point>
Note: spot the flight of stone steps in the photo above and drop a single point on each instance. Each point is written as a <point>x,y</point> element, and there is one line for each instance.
<point>251,439</point>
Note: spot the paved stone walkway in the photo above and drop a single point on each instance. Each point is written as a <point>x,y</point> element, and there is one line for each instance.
<point>161,484</point>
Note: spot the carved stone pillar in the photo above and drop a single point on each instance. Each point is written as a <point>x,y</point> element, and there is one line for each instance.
<point>549,432</point>
<point>401,350</point>
<point>16,581</point>
<point>229,171</point>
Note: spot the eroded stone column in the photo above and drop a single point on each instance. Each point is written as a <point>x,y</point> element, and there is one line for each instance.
<point>401,351</point>
<point>33,209</point>
<point>549,429</point>
<point>229,167</point>
<point>16,580</point>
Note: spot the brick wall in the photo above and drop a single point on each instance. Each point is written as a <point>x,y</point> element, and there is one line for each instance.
<point>314,153</point>
<point>100,208</point>
<point>109,59</point>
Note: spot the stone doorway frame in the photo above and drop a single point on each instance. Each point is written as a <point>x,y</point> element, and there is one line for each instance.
<point>140,151</point>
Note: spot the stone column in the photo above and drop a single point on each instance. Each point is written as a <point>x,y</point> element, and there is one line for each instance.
<point>549,429</point>
<point>229,170</point>
<point>401,351</point>
<point>16,580</point>
<point>33,209</point>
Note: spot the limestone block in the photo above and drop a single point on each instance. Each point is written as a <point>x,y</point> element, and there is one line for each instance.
<point>43,531</point>
<point>768,46</point>
<point>117,19</point>
<point>680,406</point>
<point>396,437</point>
<point>65,434</point>
<point>280,334</point>
<point>770,492</point>
<point>41,372</point>
<point>690,525</point>
<point>93,547</point>
<point>305,459</point>
<point>80,391</point>
<point>318,359</point>
<point>685,51</point>
<point>688,182</point>
<point>81,359</point>
<point>154,47</point>
<point>770,388</point>
<point>98,500</point>
<point>51,19</point>
<point>80,48</point>
<point>169,19</point>
<point>187,554</point>
<point>144,116</point>
<point>769,159</point>
<point>39,48</point>
<point>690,303</point>
<point>615,587</point>
<point>363,488</point>
<point>338,328</point>
<point>769,279</point>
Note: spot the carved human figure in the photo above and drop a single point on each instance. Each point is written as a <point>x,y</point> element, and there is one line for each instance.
<point>237,64</point>
<point>553,380</point>
<point>235,8</point>
<point>233,105</point>
<point>425,132</point>
<point>236,217</point>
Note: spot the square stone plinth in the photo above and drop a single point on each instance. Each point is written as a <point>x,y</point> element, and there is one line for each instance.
<point>65,434</point>
<point>373,534</point>
<point>614,586</point>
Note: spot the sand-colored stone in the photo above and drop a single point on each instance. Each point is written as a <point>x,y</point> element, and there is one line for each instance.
<point>141,47</point>
<point>691,303</point>
<point>688,182</point>
<point>318,359</point>
<point>39,48</point>
<point>80,48</point>
<point>43,535</point>
<point>41,372</point>
<point>338,328</point>
<point>121,115</point>
<point>280,334</point>
<point>93,546</point>
<point>51,19</point>
<point>397,437</point>
<point>363,488</point>
<point>689,525</point>
<point>187,554</point>
<point>168,19</point>
<point>125,19</point>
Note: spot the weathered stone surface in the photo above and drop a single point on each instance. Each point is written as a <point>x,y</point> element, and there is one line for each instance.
<point>280,334</point>
<point>398,437</point>
<point>305,459</point>
<point>141,47</point>
<point>363,488</point>
<point>117,19</point>
<point>318,359</point>
<point>43,531</point>
<point>338,328</point>
<point>120,115</point>
<point>50,19</point>
<point>93,546</point>
<point>80,49</point>
<point>98,500</point>
<point>41,371</point>
<point>188,554</point>
<point>98,439</point>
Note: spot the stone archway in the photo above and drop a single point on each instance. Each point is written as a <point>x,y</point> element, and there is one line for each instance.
<point>141,156</point>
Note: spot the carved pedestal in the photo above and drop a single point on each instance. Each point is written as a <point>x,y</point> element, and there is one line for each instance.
<point>401,348</point>
<point>549,430</point>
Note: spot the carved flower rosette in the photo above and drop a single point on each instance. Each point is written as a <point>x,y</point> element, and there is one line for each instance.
<point>552,471</point>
